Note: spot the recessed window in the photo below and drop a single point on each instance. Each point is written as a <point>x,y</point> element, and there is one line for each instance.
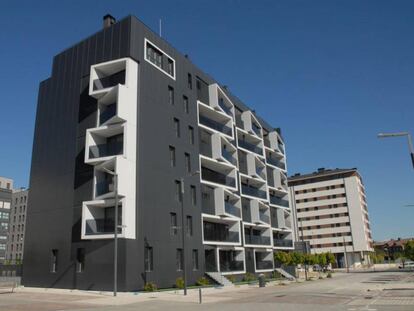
<point>177,127</point>
<point>190,81</point>
<point>191,135</point>
<point>179,259</point>
<point>173,222</point>
<point>80,260</point>
<point>172,156</point>
<point>171,95</point>
<point>158,58</point>
<point>149,259</point>
<point>189,226</point>
<point>193,195</point>
<point>187,162</point>
<point>178,190</point>
<point>54,260</point>
<point>185,104</point>
<point>195,259</point>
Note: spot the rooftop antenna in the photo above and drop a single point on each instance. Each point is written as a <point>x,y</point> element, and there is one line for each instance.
<point>160,26</point>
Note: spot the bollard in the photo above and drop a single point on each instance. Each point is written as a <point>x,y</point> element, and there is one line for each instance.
<point>200,298</point>
<point>262,280</point>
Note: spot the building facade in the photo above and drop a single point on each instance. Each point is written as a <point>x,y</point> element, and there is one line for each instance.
<point>331,213</point>
<point>189,157</point>
<point>6,186</point>
<point>15,241</point>
<point>392,249</point>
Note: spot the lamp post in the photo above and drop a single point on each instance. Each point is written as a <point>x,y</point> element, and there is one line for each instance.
<point>183,233</point>
<point>115,175</point>
<point>345,255</point>
<point>306,250</point>
<point>398,134</point>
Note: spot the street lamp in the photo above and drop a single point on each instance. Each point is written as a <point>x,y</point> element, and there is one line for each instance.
<point>115,175</point>
<point>398,134</point>
<point>183,233</point>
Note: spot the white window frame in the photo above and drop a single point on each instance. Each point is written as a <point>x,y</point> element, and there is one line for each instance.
<point>146,41</point>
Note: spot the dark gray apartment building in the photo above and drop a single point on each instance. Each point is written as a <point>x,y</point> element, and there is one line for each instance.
<point>124,100</point>
<point>6,188</point>
<point>15,241</point>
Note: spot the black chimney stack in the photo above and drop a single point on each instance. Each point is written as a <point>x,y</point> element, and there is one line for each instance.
<point>108,21</point>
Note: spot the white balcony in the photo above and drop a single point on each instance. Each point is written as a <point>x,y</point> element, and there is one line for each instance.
<point>220,101</point>
<point>250,143</point>
<point>263,260</point>
<point>253,188</point>
<point>217,147</point>
<point>220,202</point>
<point>282,240</point>
<point>273,141</point>
<point>105,76</point>
<point>221,231</point>
<point>248,123</point>
<point>257,235</point>
<point>217,173</point>
<point>215,121</point>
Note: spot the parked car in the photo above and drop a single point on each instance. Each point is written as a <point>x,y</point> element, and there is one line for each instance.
<point>407,265</point>
<point>317,268</point>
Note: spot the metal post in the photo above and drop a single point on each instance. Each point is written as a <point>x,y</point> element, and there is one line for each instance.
<point>183,233</point>
<point>306,250</point>
<point>200,297</point>
<point>116,236</point>
<point>345,255</point>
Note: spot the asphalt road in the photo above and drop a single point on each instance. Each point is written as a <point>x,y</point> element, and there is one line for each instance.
<point>352,292</point>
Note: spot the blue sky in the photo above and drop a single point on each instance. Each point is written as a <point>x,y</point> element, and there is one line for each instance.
<point>331,74</point>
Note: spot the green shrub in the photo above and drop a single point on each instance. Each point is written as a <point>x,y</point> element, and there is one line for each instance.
<point>179,283</point>
<point>203,281</point>
<point>231,278</point>
<point>329,275</point>
<point>150,287</point>
<point>320,277</point>
<point>276,275</point>
<point>249,277</point>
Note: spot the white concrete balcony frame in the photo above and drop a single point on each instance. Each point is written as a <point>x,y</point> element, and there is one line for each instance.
<point>251,125</point>
<point>215,121</point>
<point>223,196</point>
<point>256,209</point>
<point>255,166</point>
<point>106,69</point>
<point>235,226</point>
<point>268,256</point>
<point>275,142</point>
<point>241,257</point>
<point>246,137</point>
<point>93,210</point>
<point>270,155</point>
<point>266,231</point>
<point>220,101</point>
<point>287,235</point>
<point>121,97</point>
<point>257,183</point>
<point>221,167</point>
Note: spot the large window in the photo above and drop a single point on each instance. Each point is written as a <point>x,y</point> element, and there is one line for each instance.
<point>159,59</point>
<point>149,259</point>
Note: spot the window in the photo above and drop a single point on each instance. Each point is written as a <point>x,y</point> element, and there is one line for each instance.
<point>170,95</point>
<point>193,196</point>
<point>172,156</point>
<point>80,260</point>
<point>54,260</point>
<point>190,81</point>
<point>195,259</point>
<point>174,228</point>
<point>149,261</point>
<point>185,104</point>
<point>6,205</point>
<point>178,190</point>
<point>158,58</point>
<point>177,127</point>
<point>179,259</point>
<point>187,162</point>
<point>189,226</point>
<point>191,135</point>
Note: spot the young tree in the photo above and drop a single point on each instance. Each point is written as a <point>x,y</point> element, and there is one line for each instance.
<point>330,258</point>
<point>409,250</point>
<point>297,258</point>
<point>283,258</point>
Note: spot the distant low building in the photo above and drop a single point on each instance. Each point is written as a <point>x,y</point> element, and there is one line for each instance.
<point>392,248</point>
<point>330,212</point>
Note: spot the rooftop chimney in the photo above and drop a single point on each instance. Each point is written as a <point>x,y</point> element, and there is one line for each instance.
<point>108,21</point>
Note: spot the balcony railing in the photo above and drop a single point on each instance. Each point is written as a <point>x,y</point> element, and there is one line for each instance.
<point>103,187</point>
<point>260,172</point>
<point>276,163</point>
<point>231,209</point>
<point>106,150</point>
<point>215,125</point>
<point>215,177</point>
<point>101,226</point>
<point>263,217</point>
<point>221,236</point>
<point>256,129</point>
<point>282,243</point>
<point>107,113</point>
<point>254,192</point>
<point>257,240</point>
<point>253,148</point>
<point>228,156</point>
<point>279,201</point>
<point>226,109</point>
<point>109,81</point>
<point>264,265</point>
<point>229,266</point>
